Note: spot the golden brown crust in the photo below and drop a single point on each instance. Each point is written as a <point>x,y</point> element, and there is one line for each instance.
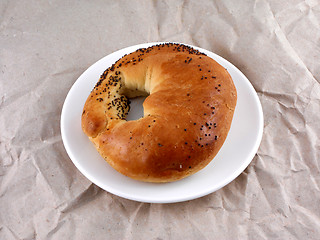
<point>186,120</point>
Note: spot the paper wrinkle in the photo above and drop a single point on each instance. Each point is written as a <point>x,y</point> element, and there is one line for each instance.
<point>46,221</point>
<point>65,71</point>
<point>41,179</point>
<point>198,229</point>
<point>9,165</point>
<point>228,17</point>
<point>53,231</point>
<point>83,198</point>
<point>7,233</point>
<point>294,21</point>
<point>285,34</point>
<point>132,219</point>
<point>46,47</point>
<point>3,14</point>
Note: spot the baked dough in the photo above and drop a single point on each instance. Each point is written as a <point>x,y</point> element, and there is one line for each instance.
<point>187,114</point>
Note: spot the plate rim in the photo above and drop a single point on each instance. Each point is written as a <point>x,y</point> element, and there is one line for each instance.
<point>175,199</point>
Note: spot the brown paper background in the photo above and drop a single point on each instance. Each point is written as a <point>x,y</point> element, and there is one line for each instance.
<point>46,45</point>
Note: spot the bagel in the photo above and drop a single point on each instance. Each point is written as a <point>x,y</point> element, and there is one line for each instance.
<point>187,113</point>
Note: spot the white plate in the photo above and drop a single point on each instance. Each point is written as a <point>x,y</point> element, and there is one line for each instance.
<point>235,155</point>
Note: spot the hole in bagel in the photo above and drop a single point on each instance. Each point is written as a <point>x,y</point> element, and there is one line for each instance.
<point>136,108</point>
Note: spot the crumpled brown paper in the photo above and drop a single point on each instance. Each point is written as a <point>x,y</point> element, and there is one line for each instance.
<point>46,45</point>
